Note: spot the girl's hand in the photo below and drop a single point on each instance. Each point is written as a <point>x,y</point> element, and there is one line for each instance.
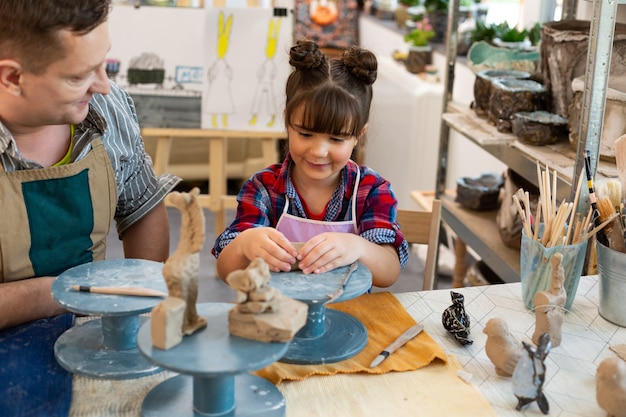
<point>269,244</point>
<point>328,251</point>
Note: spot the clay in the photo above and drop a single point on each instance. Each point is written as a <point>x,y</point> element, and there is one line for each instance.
<point>166,323</point>
<point>502,348</point>
<point>456,321</point>
<point>549,305</point>
<point>611,386</point>
<point>530,374</point>
<point>181,271</point>
<point>262,313</point>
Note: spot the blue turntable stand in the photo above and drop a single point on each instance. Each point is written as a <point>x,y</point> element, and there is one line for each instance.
<point>106,347</point>
<point>329,335</point>
<point>214,367</point>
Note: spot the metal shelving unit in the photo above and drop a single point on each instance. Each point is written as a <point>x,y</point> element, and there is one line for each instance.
<point>478,229</point>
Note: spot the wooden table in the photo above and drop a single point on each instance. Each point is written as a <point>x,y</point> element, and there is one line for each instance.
<point>571,367</point>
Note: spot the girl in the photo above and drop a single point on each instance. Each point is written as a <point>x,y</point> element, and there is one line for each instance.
<point>318,196</point>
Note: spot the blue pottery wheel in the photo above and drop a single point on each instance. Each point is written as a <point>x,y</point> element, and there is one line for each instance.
<point>216,366</point>
<point>329,335</point>
<point>106,347</point>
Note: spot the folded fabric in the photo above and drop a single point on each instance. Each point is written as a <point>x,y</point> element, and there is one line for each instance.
<point>385,319</point>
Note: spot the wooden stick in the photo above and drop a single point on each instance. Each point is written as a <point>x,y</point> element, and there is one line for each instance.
<point>141,292</point>
<point>536,231</point>
<point>601,225</point>
<point>571,219</point>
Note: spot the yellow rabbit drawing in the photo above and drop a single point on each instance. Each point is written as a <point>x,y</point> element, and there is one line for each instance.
<point>219,98</point>
<point>265,95</point>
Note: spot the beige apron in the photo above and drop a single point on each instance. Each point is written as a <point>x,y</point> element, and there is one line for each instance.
<point>55,218</point>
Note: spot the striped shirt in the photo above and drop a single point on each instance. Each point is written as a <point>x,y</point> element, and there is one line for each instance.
<point>262,200</point>
<point>113,118</point>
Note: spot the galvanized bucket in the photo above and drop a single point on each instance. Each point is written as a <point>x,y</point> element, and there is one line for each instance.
<point>612,274</point>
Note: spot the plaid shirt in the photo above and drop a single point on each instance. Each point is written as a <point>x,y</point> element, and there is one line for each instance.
<point>262,201</point>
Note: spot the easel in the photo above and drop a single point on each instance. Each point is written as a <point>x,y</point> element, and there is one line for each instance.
<point>217,200</point>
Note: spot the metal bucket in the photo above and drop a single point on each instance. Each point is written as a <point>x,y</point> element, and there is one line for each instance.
<point>612,274</point>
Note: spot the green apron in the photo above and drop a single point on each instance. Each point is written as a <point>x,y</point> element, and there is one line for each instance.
<point>52,219</point>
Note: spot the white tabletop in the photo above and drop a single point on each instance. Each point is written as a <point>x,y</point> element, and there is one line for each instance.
<point>570,368</point>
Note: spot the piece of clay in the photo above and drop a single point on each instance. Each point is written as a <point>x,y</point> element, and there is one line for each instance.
<point>549,305</point>
<point>262,312</point>
<point>530,374</point>
<point>502,348</point>
<point>455,319</point>
<point>611,386</point>
<point>181,268</point>
<point>166,323</point>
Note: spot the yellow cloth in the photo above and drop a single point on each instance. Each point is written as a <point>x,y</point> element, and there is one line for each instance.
<point>433,391</point>
<point>385,319</point>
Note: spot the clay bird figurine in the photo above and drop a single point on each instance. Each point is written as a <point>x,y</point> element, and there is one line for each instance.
<point>530,374</point>
<point>455,319</point>
<point>502,348</point>
<point>611,386</point>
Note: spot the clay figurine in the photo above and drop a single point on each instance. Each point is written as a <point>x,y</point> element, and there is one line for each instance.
<point>456,321</point>
<point>262,313</point>
<point>502,348</point>
<point>177,314</point>
<point>530,374</point>
<point>549,305</point>
<point>611,386</point>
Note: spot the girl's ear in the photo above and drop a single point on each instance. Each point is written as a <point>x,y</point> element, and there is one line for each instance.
<point>363,132</point>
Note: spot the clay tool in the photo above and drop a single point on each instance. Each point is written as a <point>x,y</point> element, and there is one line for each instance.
<point>397,344</point>
<point>136,291</point>
<point>339,291</point>
<point>592,199</point>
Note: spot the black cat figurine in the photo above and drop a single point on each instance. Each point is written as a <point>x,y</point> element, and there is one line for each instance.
<point>456,321</point>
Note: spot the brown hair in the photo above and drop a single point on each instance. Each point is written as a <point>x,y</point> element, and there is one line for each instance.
<point>29,29</point>
<point>335,94</point>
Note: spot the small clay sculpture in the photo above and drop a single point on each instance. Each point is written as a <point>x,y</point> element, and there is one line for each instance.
<point>611,386</point>
<point>549,305</point>
<point>262,313</point>
<point>455,319</point>
<point>502,348</point>
<point>181,276</point>
<point>530,374</point>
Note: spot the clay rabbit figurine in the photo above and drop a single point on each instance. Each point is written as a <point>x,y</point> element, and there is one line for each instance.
<point>611,386</point>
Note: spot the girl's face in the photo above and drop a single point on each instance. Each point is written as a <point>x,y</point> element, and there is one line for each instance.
<point>318,156</point>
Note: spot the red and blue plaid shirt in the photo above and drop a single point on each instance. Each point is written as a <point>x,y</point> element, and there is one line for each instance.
<point>262,201</point>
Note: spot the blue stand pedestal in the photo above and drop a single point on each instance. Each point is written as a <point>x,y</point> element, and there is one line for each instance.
<point>215,366</point>
<point>106,347</point>
<point>329,335</point>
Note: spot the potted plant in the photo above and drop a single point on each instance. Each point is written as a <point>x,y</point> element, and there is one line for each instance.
<point>510,37</point>
<point>420,50</point>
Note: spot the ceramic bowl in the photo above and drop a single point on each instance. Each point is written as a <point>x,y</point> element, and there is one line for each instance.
<point>479,193</point>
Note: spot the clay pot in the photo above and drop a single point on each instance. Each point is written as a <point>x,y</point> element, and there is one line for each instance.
<point>479,193</point>
<point>539,127</point>
<point>614,124</point>
<point>482,86</point>
<point>418,58</point>
<point>510,96</point>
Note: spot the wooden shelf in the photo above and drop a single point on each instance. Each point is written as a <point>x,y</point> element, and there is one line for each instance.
<point>478,230</point>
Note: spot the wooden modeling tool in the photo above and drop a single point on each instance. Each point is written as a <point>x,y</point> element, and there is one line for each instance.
<point>339,291</point>
<point>136,291</point>
<point>397,344</point>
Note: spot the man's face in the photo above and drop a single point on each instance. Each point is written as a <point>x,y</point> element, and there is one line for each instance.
<point>62,93</point>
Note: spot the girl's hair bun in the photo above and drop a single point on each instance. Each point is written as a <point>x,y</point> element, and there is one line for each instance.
<point>361,63</point>
<point>305,54</point>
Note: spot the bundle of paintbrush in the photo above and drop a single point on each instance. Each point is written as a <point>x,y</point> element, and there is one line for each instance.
<point>562,225</point>
<point>609,195</point>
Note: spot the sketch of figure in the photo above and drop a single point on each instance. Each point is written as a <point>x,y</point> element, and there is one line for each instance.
<point>219,99</point>
<point>264,100</point>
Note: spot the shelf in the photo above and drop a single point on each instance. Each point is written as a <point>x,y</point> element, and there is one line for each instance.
<point>521,157</point>
<point>478,230</point>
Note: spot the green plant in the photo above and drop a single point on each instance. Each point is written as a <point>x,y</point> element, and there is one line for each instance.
<point>410,3</point>
<point>509,34</point>
<point>421,35</point>
<point>483,32</point>
<point>436,5</point>
<point>534,34</point>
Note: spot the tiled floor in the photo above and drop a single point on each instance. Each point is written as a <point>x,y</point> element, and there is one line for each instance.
<point>213,289</point>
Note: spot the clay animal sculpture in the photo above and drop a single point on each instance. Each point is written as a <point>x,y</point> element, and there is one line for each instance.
<point>455,319</point>
<point>549,305</point>
<point>262,313</point>
<point>530,374</point>
<point>611,386</point>
<point>502,348</point>
<point>181,268</point>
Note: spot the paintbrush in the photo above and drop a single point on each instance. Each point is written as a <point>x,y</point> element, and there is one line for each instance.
<point>613,230</point>
<point>592,198</point>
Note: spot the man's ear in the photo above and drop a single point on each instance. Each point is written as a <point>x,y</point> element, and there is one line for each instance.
<point>10,73</point>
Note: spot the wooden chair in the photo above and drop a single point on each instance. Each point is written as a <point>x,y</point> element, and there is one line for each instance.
<point>422,227</point>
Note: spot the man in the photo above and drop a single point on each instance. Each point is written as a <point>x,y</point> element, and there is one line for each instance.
<point>71,160</point>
